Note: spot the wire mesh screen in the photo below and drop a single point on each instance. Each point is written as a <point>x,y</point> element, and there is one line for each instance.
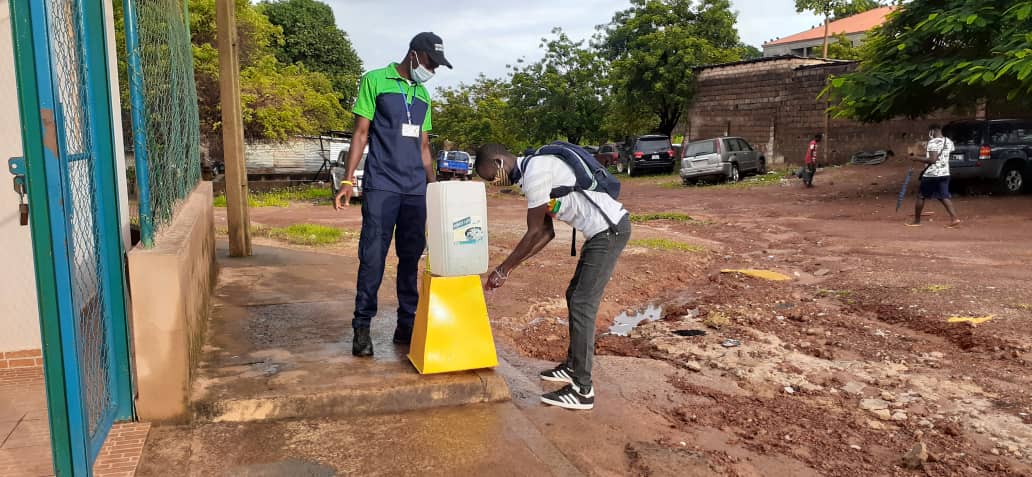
<point>92,343</point>
<point>169,103</point>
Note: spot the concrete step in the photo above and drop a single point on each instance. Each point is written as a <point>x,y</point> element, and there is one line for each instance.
<point>390,395</point>
<point>279,347</point>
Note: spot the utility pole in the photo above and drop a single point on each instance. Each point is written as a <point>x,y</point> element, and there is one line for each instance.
<point>232,130</point>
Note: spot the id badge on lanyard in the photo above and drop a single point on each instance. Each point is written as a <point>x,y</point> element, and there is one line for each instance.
<point>408,129</point>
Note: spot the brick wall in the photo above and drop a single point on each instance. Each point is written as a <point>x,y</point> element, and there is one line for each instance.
<point>773,104</point>
<point>30,358</point>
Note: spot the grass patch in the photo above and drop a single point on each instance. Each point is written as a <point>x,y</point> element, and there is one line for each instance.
<point>298,234</point>
<point>716,320</point>
<point>933,288</point>
<point>666,245</point>
<point>254,201</point>
<point>1022,306</point>
<point>835,293</point>
<point>663,180</point>
<point>772,177</point>
<point>673,216</point>
<point>304,234</point>
<point>283,197</point>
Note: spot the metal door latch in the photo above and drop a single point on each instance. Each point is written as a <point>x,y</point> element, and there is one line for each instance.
<point>17,167</point>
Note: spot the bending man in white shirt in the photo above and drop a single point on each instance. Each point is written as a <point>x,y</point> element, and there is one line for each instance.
<point>606,227</point>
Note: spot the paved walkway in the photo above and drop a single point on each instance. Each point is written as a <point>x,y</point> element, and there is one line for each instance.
<point>279,393</point>
<point>25,432</point>
<point>279,347</point>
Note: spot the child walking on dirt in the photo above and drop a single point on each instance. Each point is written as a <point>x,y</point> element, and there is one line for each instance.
<point>809,168</point>
<point>935,180</point>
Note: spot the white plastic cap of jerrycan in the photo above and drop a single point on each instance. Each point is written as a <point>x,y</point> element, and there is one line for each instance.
<point>456,227</point>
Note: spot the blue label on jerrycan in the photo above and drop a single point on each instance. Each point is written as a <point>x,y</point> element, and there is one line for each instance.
<point>467,230</point>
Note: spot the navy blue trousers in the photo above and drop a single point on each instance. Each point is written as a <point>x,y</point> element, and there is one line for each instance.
<point>387,215</point>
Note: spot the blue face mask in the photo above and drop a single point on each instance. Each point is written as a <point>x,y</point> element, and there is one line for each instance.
<point>420,73</point>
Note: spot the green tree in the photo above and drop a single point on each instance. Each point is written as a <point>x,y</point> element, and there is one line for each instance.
<point>833,10</point>
<point>283,100</point>
<point>750,52</point>
<point>562,95</point>
<point>936,54</point>
<point>825,8</point>
<point>277,100</point>
<point>478,113</point>
<point>843,49</point>
<point>653,46</point>
<point>311,37</point>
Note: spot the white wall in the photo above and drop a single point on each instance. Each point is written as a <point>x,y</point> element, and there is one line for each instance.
<point>19,316</point>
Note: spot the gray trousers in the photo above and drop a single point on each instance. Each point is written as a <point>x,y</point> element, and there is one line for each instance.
<point>597,260</point>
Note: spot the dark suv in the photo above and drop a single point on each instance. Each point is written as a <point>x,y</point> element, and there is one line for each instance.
<point>999,150</point>
<point>647,153</point>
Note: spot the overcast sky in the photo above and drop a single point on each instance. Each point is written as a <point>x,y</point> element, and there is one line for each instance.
<point>483,36</point>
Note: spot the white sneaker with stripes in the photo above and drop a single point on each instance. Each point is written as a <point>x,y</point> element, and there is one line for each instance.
<point>561,374</point>
<point>571,396</point>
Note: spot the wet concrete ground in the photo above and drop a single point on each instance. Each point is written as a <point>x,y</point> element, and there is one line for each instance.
<point>279,394</point>
<point>484,439</point>
<point>279,346</point>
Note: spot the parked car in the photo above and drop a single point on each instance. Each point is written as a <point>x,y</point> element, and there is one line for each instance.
<point>608,155</point>
<point>725,157</point>
<point>647,153</point>
<point>454,165</point>
<point>338,171</point>
<point>998,150</point>
<point>591,149</point>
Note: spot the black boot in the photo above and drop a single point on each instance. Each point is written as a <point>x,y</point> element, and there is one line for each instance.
<point>403,335</point>
<point>363,344</point>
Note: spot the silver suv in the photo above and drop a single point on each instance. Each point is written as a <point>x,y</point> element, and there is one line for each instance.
<point>725,157</point>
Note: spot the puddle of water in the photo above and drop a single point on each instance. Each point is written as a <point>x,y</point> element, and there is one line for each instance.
<point>624,323</point>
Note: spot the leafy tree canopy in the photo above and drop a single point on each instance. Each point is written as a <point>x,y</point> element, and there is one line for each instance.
<point>750,52</point>
<point>931,55</point>
<point>272,93</point>
<point>562,95</point>
<point>470,115</point>
<point>843,49</point>
<point>311,37</point>
<point>652,47</point>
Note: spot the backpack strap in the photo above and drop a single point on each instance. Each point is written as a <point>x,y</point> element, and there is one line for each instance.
<point>587,170</point>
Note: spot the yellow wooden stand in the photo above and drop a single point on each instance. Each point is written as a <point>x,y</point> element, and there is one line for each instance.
<point>452,331</point>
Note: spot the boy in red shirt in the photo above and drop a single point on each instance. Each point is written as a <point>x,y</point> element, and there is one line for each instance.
<point>810,168</point>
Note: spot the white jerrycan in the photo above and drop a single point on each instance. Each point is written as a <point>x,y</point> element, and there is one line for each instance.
<point>456,227</point>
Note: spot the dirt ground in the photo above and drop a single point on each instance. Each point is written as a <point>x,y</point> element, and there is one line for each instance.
<point>841,370</point>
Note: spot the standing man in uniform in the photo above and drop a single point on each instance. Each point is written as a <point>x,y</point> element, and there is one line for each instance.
<point>392,116</point>
<point>600,218</point>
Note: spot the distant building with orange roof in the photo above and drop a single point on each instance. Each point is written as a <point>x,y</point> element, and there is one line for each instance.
<point>808,43</point>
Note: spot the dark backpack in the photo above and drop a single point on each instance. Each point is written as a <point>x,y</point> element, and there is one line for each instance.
<point>589,173</point>
<point>590,176</point>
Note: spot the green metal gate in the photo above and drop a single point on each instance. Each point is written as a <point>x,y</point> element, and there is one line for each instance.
<point>65,105</point>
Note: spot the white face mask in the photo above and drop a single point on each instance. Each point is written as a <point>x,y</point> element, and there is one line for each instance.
<point>420,73</point>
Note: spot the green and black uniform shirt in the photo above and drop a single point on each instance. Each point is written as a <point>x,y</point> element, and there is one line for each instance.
<point>395,162</point>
